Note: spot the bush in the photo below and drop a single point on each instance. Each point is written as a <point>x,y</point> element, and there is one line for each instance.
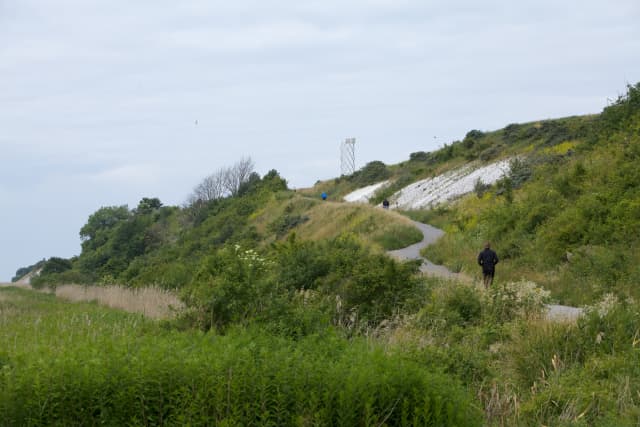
<point>449,307</point>
<point>286,222</point>
<point>56,265</point>
<point>66,277</point>
<point>419,156</point>
<point>519,171</point>
<point>490,153</point>
<point>371,173</point>
<point>480,188</point>
<point>512,300</point>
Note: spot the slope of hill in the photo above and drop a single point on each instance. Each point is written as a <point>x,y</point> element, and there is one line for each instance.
<point>564,212</point>
<point>430,192</point>
<point>545,193</point>
<point>290,268</point>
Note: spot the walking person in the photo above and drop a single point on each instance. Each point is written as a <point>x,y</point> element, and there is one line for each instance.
<point>488,260</point>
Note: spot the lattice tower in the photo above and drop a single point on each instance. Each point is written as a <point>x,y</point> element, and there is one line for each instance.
<point>348,156</point>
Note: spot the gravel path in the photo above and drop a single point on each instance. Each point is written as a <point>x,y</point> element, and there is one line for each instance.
<point>431,235</point>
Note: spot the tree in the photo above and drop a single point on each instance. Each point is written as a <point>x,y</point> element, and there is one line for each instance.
<point>238,174</point>
<point>371,173</point>
<point>226,181</point>
<point>148,205</point>
<point>96,231</point>
<point>211,188</point>
<point>56,265</point>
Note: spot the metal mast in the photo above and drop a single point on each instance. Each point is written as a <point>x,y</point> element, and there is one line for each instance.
<point>348,156</point>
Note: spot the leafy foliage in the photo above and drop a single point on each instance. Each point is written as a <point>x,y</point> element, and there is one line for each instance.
<point>371,173</point>
<point>567,214</point>
<point>350,285</point>
<point>294,310</point>
<point>23,271</point>
<point>118,369</point>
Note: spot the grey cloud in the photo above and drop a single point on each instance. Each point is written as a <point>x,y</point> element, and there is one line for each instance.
<point>101,97</point>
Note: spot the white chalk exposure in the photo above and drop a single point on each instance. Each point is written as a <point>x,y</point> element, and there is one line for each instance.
<point>362,195</point>
<point>448,186</point>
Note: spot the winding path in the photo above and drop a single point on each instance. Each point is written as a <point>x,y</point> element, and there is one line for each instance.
<point>431,235</point>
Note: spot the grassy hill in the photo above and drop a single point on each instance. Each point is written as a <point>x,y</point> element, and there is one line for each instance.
<point>266,268</point>
<point>566,215</point>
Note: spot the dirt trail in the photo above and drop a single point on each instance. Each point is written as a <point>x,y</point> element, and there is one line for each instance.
<point>431,235</point>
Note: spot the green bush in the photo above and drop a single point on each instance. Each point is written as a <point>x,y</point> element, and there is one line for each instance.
<point>370,173</point>
<point>508,301</point>
<point>282,225</point>
<point>64,278</point>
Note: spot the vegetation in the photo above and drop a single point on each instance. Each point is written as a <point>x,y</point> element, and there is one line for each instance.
<point>567,216</point>
<point>23,271</point>
<point>85,365</point>
<point>295,316</point>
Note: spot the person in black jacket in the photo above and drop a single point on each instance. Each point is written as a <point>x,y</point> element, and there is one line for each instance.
<point>488,260</point>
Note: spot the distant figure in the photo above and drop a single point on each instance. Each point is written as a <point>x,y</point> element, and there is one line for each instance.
<point>488,260</point>
<point>385,204</point>
<point>324,196</point>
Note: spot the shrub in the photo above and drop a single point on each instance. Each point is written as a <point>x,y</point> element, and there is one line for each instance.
<point>523,299</point>
<point>490,153</point>
<point>419,156</point>
<point>371,173</point>
<point>480,188</point>
<point>451,306</point>
<point>519,171</point>
<point>56,265</point>
<point>286,222</point>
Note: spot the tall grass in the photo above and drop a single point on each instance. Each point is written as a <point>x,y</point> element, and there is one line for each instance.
<point>153,302</point>
<point>82,364</point>
<point>382,228</point>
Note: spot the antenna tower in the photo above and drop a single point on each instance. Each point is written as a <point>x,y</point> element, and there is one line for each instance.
<point>348,156</point>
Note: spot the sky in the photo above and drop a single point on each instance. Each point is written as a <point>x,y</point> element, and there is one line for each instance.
<point>104,102</point>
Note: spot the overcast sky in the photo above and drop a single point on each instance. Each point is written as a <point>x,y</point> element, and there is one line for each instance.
<point>99,99</point>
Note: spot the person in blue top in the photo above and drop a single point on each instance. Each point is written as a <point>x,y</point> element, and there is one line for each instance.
<point>487,259</point>
<point>324,196</point>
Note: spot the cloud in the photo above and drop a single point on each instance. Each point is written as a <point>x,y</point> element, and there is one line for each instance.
<point>130,174</point>
<point>98,99</point>
<point>257,37</point>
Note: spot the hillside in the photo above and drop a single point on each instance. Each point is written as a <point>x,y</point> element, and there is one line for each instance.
<point>261,267</point>
<point>558,198</point>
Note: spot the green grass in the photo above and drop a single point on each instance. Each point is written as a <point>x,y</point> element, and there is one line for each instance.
<point>81,364</point>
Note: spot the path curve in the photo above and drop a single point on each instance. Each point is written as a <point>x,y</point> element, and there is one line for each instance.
<point>430,235</point>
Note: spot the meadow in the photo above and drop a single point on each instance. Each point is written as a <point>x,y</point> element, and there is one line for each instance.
<point>82,364</point>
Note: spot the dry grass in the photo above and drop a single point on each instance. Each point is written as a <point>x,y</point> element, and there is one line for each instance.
<point>280,204</point>
<point>152,302</point>
<point>15,285</point>
<point>330,219</point>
